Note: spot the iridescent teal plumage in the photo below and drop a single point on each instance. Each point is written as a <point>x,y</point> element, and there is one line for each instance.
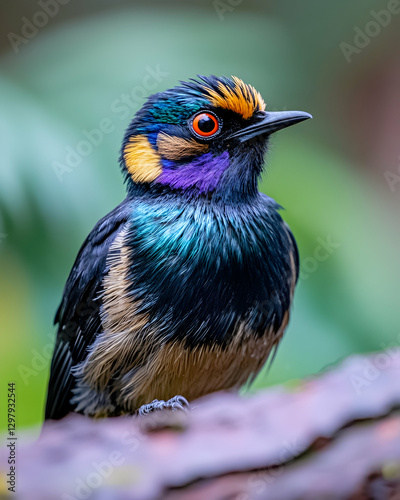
<point>185,288</point>
<point>202,266</point>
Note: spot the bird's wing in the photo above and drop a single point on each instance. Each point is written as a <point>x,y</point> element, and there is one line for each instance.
<point>78,315</point>
<point>270,203</point>
<point>294,251</point>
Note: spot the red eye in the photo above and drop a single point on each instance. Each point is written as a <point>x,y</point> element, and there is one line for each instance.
<point>205,124</point>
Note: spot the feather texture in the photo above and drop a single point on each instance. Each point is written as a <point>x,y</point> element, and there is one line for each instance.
<point>186,286</point>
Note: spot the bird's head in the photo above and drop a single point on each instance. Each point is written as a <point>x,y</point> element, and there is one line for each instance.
<point>206,137</point>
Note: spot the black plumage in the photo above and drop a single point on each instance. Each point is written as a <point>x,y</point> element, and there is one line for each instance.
<point>186,286</point>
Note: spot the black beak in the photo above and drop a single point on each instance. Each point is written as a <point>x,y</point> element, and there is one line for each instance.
<point>270,122</point>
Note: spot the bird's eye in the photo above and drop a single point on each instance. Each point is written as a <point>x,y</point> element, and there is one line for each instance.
<point>205,124</point>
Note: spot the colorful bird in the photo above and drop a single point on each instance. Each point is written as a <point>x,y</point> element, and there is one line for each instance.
<point>184,288</point>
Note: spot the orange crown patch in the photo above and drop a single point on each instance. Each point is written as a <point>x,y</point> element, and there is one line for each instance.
<point>243,99</point>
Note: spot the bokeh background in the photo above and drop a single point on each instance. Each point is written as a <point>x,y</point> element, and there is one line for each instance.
<point>337,176</point>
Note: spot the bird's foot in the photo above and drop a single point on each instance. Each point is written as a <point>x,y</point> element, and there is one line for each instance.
<point>175,403</point>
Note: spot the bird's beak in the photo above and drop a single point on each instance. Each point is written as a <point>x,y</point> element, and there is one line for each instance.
<point>270,122</point>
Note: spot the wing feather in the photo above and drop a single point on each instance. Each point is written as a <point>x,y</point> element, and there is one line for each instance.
<point>78,316</point>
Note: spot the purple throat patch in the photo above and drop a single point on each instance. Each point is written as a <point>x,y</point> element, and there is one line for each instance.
<point>203,173</point>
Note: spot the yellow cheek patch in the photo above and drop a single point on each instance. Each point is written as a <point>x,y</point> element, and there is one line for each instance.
<point>242,98</point>
<point>142,162</point>
<point>176,148</point>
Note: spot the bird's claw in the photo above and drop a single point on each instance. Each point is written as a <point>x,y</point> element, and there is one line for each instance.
<point>173,404</point>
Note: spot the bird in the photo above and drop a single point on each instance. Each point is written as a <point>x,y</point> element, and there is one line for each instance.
<point>185,288</point>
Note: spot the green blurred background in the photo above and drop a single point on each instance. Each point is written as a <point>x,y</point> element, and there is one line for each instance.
<point>331,174</point>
